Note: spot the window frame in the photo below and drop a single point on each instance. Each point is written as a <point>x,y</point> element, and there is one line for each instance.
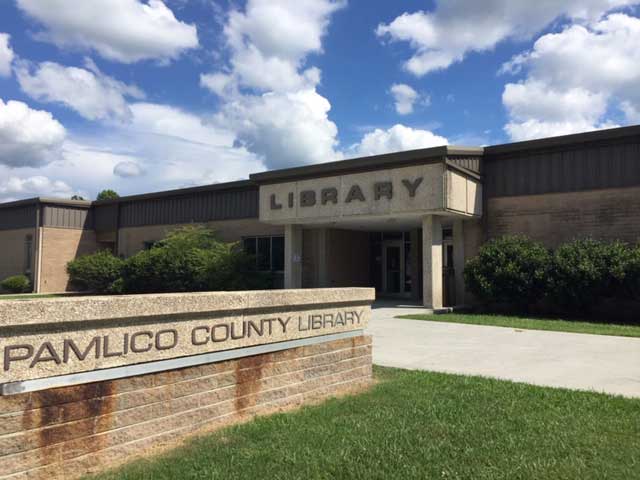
<point>255,239</point>
<point>28,254</point>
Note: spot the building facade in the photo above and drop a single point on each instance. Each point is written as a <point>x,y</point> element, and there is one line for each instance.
<point>404,223</point>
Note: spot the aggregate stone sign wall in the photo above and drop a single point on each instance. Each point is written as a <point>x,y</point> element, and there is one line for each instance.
<point>398,191</point>
<point>195,360</point>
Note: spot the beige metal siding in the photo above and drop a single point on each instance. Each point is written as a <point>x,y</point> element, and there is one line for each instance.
<point>66,217</point>
<point>18,217</point>
<point>105,217</point>
<point>471,163</point>
<point>564,169</point>
<point>198,207</point>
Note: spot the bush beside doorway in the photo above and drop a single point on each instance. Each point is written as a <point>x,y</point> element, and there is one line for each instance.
<point>189,259</point>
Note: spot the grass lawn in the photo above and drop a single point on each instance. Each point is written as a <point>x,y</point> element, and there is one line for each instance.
<point>422,425</point>
<point>533,323</point>
<point>28,296</point>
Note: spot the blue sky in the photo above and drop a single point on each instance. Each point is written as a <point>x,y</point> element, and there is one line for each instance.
<point>145,95</point>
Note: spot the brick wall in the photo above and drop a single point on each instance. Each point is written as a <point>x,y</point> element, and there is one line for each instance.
<point>560,217</point>
<point>67,432</point>
<point>59,246</point>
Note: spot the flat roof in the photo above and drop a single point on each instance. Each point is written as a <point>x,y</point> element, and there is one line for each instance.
<point>48,201</point>
<point>361,164</point>
<point>239,184</point>
<point>565,140</point>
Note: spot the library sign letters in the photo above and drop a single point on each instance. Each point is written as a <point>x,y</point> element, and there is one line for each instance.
<point>396,191</point>
<point>40,351</point>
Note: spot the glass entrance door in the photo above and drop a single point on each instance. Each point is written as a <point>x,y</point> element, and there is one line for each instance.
<point>393,275</point>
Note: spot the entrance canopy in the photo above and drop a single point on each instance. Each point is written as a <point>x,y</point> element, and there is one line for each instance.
<point>407,191</point>
<point>397,187</point>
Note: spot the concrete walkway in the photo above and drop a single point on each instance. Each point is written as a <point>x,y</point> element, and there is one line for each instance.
<point>577,361</point>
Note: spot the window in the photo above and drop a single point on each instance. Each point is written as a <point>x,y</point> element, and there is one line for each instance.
<point>268,252</point>
<point>28,253</point>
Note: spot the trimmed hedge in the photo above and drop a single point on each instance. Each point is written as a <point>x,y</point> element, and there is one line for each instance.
<point>189,259</point>
<point>509,270</point>
<point>584,272</point>
<point>16,284</point>
<point>98,272</point>
<point>520,273</point>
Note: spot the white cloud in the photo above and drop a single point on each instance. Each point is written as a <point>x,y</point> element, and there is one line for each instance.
<point>404,98</point>
<point>268,92</point>
<point>171,122</point>
<point>176,148</point>
<point>28,137</point>
<point>280,28</point>
<point>127,169</point>
<point>456,27</point>
<point>121,30</point>
<point>218,83</point>
<point>6,55</point>
<point>161,147</point>
<point>534,99</point>
<point>269,42</point>
<point>89,92</point>
<point>395,139</point>
<point>14,188</point>
<point>287,129</point>
<point>575,78</point>
<point>631,111</point>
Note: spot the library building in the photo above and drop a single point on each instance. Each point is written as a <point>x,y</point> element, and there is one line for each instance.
<point>404,223</point>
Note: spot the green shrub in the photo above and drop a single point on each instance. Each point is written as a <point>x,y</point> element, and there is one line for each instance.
<point>510,270</point>
<point>98,272</point>
<point>16,284</point>
<point>190,259</point>
<point>631,283</point>
<point>585,271</point>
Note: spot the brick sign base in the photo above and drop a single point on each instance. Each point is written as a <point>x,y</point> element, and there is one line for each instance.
<point>71,431</point>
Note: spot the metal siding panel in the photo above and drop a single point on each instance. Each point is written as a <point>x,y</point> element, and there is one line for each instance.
<point>199,207</point>
<point>18,217</point>
<point>500,172</point>
<point>236,204</point>
<point>570,178</point>
<point>511,185</point>
<point>565,169</point>
<point>216,207</point>
<point>592,181</point>
<point>632,161</point>
<point>46,220</point>
<point>537,168</point>
<point>608,165</point>
<point>617,157</point>
<point>104,218</point>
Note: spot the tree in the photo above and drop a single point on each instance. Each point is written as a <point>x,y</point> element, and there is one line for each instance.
<point>107,194</point>
<point>77,197</point>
